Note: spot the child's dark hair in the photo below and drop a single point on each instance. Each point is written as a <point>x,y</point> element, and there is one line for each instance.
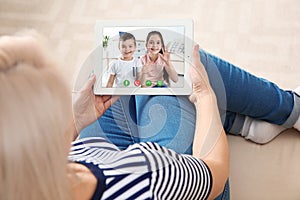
<point>127,36</point>
<point>160,36</point>
<point>165,75</point>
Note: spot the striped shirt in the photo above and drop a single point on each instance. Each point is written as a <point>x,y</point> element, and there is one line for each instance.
<point>142,171</point>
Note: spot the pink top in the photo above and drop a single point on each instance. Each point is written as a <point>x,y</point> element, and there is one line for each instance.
<point>152,71</point>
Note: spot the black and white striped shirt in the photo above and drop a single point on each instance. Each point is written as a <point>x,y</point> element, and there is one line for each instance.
<point>142,171</point>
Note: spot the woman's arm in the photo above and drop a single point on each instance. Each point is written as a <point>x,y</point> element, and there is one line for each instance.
<point>208,124</point>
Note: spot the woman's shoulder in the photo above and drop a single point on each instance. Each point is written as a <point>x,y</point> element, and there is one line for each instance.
<point>89,142</point>
<point>161,160</point>
<point>154,149</point>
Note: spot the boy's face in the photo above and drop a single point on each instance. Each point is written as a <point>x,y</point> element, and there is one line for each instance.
<point>154,44</point>
<point>127,48</point>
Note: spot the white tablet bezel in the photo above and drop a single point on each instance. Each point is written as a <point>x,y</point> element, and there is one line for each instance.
<point>186,89</point>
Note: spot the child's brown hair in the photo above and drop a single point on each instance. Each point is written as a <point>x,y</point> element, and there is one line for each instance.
<point>127,36</point>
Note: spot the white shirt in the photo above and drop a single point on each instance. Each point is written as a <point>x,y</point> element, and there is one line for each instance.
<point>125,70</point>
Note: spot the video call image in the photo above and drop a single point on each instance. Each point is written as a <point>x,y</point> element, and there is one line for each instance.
<point>142,57</point>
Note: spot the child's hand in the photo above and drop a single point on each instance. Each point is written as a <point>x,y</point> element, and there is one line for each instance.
<point>199,77</point>
<point>87,107</point>
<point>165,56</point>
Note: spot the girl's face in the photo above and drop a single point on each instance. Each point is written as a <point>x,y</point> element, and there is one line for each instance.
<point>127,49</point>
<point>154,44</point>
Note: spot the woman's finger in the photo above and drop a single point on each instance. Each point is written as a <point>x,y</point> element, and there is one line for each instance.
<point>198,73</point>
<point>111,101</point>
<point>89,84</point>
<point>196,56</point>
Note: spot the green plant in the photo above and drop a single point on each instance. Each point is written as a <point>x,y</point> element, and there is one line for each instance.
<point>105,41</point>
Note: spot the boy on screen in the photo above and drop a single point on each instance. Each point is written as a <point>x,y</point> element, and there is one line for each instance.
<point>124,71</point>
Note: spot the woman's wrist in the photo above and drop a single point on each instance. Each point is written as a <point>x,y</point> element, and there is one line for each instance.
<point>202,94</point>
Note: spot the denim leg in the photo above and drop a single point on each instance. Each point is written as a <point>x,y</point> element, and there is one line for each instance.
<point>118,124</point>
<point>247,94</point>
<point>237,92</point>
<point>170,122</point>
<point>166,120</point>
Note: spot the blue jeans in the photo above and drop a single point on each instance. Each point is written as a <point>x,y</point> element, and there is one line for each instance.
<point>170,120</point>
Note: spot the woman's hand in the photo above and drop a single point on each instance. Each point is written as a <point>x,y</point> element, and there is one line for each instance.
<point>210,142</point>
<point>88,107</point>
<point>199,77</point>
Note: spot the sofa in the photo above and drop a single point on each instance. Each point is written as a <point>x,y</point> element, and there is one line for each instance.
<point>269,171</point>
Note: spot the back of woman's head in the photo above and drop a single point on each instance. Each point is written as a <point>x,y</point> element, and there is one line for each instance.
<point>34,113</point>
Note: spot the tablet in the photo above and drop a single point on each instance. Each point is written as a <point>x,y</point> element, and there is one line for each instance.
<point>143,57</point>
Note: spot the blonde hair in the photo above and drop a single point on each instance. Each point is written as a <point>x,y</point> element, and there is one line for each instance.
<point>35,112</point>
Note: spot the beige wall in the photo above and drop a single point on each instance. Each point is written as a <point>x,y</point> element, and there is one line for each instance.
<point>262,36</point>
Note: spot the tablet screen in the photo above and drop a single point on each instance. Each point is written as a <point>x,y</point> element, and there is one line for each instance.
<point>143,57</point>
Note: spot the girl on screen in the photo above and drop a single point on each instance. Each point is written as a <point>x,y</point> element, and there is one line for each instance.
<point>157,68</point>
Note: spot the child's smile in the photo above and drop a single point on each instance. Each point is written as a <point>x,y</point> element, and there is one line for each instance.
<point>127,49</point>
<point>154,44</point>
